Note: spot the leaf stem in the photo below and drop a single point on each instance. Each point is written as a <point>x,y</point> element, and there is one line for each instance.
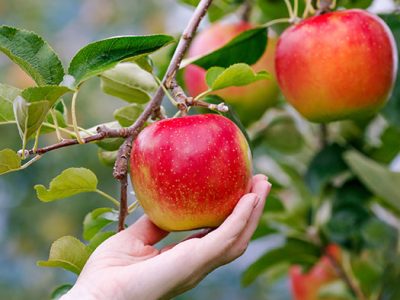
<point>309,9</point>
<point>277,21</point>
<point>69,132</point>
<point>133,206</point>
<point>296,9</point>
<point>107,196</point>
<point>289,8</point>
<point>37,135</point>
<point>74,121</point>
<point>54,116</point>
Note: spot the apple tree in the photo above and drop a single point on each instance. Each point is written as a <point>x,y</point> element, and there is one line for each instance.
<point>312,87</point>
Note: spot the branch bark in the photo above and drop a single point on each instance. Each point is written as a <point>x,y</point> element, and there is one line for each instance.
<point>355,289</point>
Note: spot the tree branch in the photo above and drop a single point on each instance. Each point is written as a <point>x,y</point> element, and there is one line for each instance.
<point>355,289</point>
<point>123,207</point>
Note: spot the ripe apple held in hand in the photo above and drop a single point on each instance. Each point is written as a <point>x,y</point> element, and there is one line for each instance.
<point>306,286</point>
<point>249,101</point>
<point>190,172</point>
<point>337,65</point>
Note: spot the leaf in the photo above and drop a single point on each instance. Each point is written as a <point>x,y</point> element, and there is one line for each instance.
<point>96,220</point>
<point>236,75</point>
<point>213,74</point>
<point>128,82</point>
<point>283,126</point>
<point>32,54</point>
<point>60,291</point>
<point>32,107</point>
<point>9,161</point>
<point>102,55</point>
<point>247,48</point>
<point>294,251</point>
<point>99,238</point>
<point>7,95</point>
<point>49,119</point>
<point>337,290</point>
<point>107,158</point>
<point>68,253</point>
<point>392,109</point>
<point>70,182</point>
<point>127,115</point>
<point>327,164</point>
<point>376,177</point>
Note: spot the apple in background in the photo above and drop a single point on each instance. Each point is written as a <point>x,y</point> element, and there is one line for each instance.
<point>190,172</point>
<point>306,286</point>
<point>249,101</point>
<point>337,65</point>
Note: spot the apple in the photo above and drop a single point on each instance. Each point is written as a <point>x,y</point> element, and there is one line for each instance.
<point>249,101</point>
<point>337,65</point>
<point>306,286</point>
<point>190,172</point>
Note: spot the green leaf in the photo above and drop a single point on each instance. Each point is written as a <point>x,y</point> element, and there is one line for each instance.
<point>294,251</point>
<point>7,95</point>
<point>213,74</point>
<point>363,4</point>
<point>107,157</point>
<point>96,220</point>
<point>236,75</point>
<point>390,145</point>
<point>49,119</point>
<point>9,161</point>
<point>68,253</point>
<point>32,54</point>
<point>128,82</point>
<point>31,108</point>
<point>99,238</point>
<point>283,126</point>
<point>102,55</point>
<point>392,109</point>
<point>327,164</point>
<point>247,48</point>
<point>60,291</point>
<point>70,182</point>
<point>127,115</point>
<point>376,177</point>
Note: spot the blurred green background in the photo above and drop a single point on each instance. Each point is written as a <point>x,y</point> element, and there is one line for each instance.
<point>27,226</point>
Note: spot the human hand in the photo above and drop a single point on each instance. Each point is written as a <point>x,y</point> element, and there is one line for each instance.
<point>127,266</point>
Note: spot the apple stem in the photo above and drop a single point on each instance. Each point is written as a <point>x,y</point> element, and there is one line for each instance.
<point>246,10</point>
<point>290,9</point>
<point>323,135</point>
<point>325,6</point>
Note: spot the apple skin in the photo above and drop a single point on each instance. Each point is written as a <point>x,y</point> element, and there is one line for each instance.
<point>190,172</point>
<point>249,101</point>
<point>305,286</point>
<point>337,65</point>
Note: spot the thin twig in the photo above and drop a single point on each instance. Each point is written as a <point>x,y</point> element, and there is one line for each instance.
<point>323,135</point>
<point>355,289</point>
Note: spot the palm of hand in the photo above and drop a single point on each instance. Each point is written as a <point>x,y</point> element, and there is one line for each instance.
<point>128,266</point>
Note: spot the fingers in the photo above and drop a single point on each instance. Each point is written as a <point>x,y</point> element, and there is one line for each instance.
<point>145,231</point>
<point>261,187</point>
<point>230,240</point>
<point>197,235</point>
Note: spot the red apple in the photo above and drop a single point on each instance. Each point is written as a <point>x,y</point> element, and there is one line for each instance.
<point>337,65</point>
<point>305,286</point>
<point>249,101</point>
<point>190,172</point>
